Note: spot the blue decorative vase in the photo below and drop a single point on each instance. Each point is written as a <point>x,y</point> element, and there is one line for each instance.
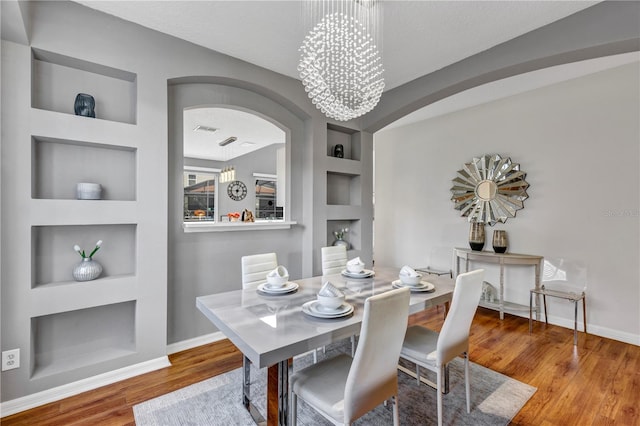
<point>85,105</point>
<point>87,270</point>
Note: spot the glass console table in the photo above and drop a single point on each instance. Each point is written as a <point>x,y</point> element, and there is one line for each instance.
<point>501,259</point>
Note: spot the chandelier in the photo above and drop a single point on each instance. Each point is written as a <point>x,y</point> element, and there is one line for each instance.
<point>228,174</point>
<point>340,62</point>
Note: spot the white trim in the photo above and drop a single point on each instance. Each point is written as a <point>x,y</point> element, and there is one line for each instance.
<point>266,176</point>
<point>201,169</point>
<point>70,389</point>
<point>195,342</point>
<point>260,225</point>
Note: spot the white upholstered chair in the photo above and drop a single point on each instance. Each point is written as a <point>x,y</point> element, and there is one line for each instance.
<point>334,259</point>
<point>432,350</point>
<point>342,388</point>
<point>256,267</point>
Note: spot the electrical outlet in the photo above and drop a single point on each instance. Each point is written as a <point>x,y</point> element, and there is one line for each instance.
<point>10,359</point>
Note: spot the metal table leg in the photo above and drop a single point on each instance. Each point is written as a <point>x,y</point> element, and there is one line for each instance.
<point>246,393</point>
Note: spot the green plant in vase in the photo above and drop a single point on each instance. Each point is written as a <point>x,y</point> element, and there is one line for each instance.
<point>88,269</point>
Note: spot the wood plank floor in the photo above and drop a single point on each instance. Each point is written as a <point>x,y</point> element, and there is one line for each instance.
<point>594,383</point>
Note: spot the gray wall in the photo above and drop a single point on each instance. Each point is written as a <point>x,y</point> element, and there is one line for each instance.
<point>578,142</point>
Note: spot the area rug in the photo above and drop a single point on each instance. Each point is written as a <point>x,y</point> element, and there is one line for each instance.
<point>495,400</point>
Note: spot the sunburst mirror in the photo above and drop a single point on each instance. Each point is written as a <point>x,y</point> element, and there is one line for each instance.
<point>489,189</point>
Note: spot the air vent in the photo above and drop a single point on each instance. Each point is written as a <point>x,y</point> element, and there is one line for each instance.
<point>227,141</point>
<point>207,129</point>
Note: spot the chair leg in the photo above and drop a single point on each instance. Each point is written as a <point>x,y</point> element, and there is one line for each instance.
<point>315,356</point>
<point>353,346</point>
<point>396,413</point>
<point>418,374</point>
<point>544,302</point>
<point>530,312</point>
<point>575,322</point>
<point>584,313</point>
<point>439,393</point>
<point>294,409</point>
<point>467,384</point>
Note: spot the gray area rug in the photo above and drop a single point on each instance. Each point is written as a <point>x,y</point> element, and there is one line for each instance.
<point>495,400</point>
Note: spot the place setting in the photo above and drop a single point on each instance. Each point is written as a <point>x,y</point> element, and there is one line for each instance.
<point>329,303</point>
<point>408,277</point>
<point>355,269</point>
<point>277,283</point>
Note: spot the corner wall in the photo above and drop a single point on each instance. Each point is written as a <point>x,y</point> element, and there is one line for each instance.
<point>578,142</point>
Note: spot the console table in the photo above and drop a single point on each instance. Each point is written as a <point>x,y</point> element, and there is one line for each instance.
<point>502,259</point>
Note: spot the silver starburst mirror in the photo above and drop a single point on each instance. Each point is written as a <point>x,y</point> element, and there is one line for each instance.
<point>489,189</point>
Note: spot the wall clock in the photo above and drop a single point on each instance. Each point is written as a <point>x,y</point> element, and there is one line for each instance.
<point>237,190</point>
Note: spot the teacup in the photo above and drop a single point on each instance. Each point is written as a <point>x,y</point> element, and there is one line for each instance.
<point>409,280</point>
<point>355,268</point>
<point>279,279</point>
<point>331,302</point>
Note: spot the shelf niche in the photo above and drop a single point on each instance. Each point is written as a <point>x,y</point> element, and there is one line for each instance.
<point>348,138</point>
<point>344,189</point>
<point>58,165</point>
<point>70,340</point>
<point>54,257</point>
<point>352,237</point>
<point>57,79</point>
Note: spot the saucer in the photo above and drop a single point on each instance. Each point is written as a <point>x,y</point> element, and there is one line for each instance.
<point>288,287</point>
<point>315,309</point>
<point>421,287</point>
<point>365,273</point>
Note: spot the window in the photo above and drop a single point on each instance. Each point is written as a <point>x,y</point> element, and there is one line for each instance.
<point>266,200</point>
<point>199,196</point>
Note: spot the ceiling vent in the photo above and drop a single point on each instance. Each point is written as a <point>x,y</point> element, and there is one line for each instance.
<point>207,129</point>
<point>227,141</point>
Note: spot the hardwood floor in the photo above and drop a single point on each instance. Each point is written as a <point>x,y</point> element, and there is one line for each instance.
<point>594,383</point>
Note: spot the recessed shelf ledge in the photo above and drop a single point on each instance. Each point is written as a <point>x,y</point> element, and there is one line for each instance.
<point>261,225</point>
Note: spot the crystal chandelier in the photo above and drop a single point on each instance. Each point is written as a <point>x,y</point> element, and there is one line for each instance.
<point>340,62</point>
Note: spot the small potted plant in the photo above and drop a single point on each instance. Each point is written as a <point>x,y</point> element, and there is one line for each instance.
<point>88,269</point>
<point>340,237</point>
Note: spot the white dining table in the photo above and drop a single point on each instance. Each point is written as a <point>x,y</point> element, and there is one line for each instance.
<point>271,329</point>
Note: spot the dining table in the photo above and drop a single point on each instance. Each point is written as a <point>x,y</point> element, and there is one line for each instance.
<point>271,329</point>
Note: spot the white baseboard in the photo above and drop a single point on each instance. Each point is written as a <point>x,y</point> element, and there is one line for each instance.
<point>621,336</point>
<point>55,394</point>
<point>195,342</point>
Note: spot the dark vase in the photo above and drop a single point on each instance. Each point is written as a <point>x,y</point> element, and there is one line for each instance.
<point>338,151</point>
<point>85,105</point>
<point>476,236</point>
<point>499,241</point>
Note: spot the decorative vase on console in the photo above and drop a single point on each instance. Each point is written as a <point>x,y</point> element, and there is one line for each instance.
<point>88,269</point>
<point>476,236</point>
<point>499,241</point>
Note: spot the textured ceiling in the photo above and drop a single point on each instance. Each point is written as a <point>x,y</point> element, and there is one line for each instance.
<point>419,36</point>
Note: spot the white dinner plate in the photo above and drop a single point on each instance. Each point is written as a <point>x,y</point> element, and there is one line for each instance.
<point>420,287</point>
<point>315,309</point>
<point>288,287</point>
<point>365,273</point>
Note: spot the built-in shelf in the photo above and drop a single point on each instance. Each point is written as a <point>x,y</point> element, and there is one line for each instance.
<point>348,138</point>
<point>343,189</point>
<point>53,256</point>
<point>57,79</point>
<point>71,340</point>
<point>353,237</point>
<point>58,165</point>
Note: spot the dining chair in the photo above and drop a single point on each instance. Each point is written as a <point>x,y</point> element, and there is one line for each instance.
<point>432,350</point>
<point>256,267</point>
<point>343,389</point>
<point>334,259</point>
<point>568,280</point>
